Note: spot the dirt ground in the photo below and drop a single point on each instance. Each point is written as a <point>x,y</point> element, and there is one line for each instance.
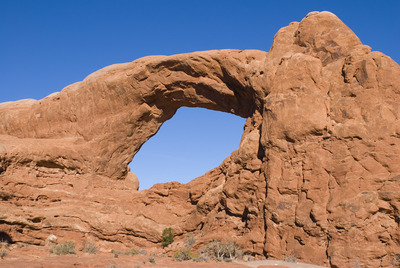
<point>40,257</point>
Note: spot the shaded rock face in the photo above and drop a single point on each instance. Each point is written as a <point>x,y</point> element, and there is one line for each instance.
<point>316,175</point>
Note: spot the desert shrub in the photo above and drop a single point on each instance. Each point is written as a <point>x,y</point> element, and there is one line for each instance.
<point>4,245</point>
<point>202,258</point>
<point>167,237</point>
<point>90,247</point>
<point>222,250</point>
<point>4,249</point>
<point>190,241</point>
<point>397,260</point>
<point>131,252</point>
<point>3,253</point>
<point>111,266</point>
<point>152,259</point>
<point>292,259</point>
<point>216,250</point>
<point>63,248</point>
<point>185,254</point>
<point>247,257</point>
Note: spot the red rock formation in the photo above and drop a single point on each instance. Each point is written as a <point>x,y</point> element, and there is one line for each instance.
<point>316,175</point>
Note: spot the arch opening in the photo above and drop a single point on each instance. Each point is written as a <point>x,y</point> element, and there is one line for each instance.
<point>192,142</point>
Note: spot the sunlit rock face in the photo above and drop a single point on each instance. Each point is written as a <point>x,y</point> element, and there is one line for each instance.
<point>316,175</point>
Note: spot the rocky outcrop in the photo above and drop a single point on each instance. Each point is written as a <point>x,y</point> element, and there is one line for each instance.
<point>316,175</point>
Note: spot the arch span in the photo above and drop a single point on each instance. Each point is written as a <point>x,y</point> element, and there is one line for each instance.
<point>105,119</point>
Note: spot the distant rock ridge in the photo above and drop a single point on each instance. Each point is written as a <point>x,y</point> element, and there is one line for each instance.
<point>316,175</point>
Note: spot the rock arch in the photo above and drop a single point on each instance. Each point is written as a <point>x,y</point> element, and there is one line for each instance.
<point>316,174</point>
<point>104,120</point>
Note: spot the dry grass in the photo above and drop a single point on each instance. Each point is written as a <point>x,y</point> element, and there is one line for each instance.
<point>65,248</point>
<point>90,247</point>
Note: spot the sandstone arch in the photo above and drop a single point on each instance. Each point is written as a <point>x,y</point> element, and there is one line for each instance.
<point>106,118</point>
<point>316,174</point>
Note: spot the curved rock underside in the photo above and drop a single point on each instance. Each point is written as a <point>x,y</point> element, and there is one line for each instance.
<point>316,175</point>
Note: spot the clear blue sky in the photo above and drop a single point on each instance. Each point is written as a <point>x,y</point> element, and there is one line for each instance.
<point>47,45</point>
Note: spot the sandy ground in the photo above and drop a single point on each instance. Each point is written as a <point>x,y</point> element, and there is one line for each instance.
<point>277,263</point>
<point>39,257</point>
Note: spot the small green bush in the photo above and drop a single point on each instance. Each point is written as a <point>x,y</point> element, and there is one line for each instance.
<point>167,237</point>
<point>63,248</point>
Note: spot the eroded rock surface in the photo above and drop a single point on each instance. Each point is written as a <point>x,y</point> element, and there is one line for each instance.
<point>316,175</point>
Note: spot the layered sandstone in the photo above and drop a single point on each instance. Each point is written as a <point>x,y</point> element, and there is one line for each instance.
<point>316,175</point>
